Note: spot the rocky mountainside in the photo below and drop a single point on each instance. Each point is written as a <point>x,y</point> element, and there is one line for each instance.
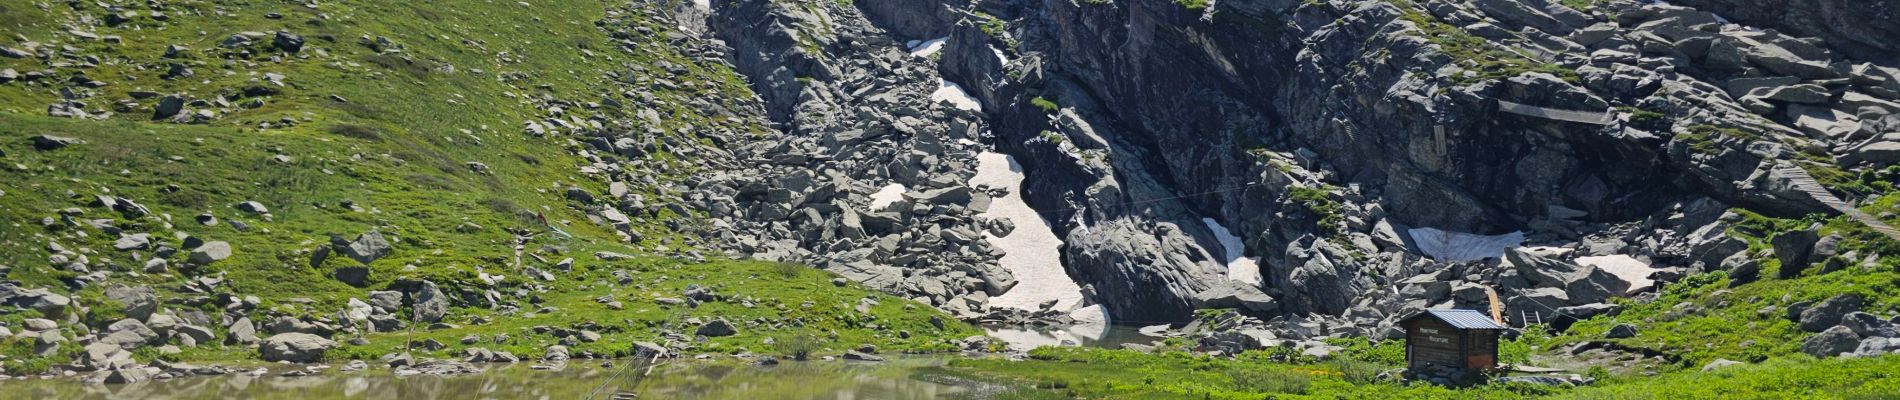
<point>1323,167</point>
<point>1332,138</point>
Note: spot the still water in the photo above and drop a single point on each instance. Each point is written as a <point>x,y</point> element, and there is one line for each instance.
<point>900,378</point>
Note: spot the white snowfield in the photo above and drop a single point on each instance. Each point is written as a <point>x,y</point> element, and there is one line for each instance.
<point>1032,250</point>
<point>924,48</point>
<point>1239,266</point>
<point>953,94</point>
<point>1448,246</point>
<point>889,194</point>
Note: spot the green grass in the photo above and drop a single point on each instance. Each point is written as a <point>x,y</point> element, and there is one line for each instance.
<point>1122,374</point>
<point>1581,5</point>
<point>396,145</point>
<point>1194,5</point>
<point>1319,202</point>
<point>1480,55</point>
<point>1047,107</point>
<point>1701,318</point>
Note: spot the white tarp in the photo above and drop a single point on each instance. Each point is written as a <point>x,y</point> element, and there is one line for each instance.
<point>1448,246</point>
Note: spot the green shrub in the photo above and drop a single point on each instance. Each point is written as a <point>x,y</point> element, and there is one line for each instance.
<point>1270,380</point>
<point>788,270</point>
<point>1048,107</point>
<point>799,346</point>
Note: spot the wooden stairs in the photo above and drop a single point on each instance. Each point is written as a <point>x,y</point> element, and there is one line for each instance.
<point>1806,183</point>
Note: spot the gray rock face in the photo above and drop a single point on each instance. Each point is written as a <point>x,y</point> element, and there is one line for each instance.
<point>1860,28</point>
<point>1831,342</point>
<point>295,347</point>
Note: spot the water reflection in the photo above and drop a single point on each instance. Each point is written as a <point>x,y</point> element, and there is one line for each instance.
<point>814,380</point>
<point>1096,335</point>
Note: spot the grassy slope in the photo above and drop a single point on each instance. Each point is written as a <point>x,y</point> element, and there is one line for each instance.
<point>1117,374</point>
<point>396,147</point>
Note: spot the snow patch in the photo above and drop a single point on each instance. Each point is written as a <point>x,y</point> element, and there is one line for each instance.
<point>1630,269</point>
<point>1000,58</point>
<point>1033,253</point>
<point>1448,246</point>
<point>889,194</point>
<point>950,92</point>
<point>927,47</point>
<point>1239,266</point>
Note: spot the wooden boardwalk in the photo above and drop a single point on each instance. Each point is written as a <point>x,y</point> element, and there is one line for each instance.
<point>1807,184</point>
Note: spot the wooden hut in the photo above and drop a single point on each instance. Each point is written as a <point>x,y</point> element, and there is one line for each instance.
<point>1456,340</point>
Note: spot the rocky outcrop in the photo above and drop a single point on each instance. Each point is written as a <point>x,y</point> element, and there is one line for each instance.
<point>1320,133</point>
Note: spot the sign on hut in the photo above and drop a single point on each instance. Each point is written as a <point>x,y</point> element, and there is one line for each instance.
<point>1458,341</point>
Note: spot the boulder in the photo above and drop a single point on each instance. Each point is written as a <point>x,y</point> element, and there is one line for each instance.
<point>1831,342</point>
<point>1719,363</point>
<point>50,142</point>
<point>128,334</point>
<point>1581,284</point>
<point>139,301</point>
<point>430,304</point>
<point>368,247</point>
<point>288,42</point>
<point>210,252</point>
<point>1236,294</point>
<point>241,331</point>
<point>1829,312</point>
<point>1867,325</point>
<point>555,353</point>
<point>357,276</point>
<point>1621,331</point>
<point>295,347</point>
<point>386,300</point>
<point>716,328</point>
<point>1795,249</point>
